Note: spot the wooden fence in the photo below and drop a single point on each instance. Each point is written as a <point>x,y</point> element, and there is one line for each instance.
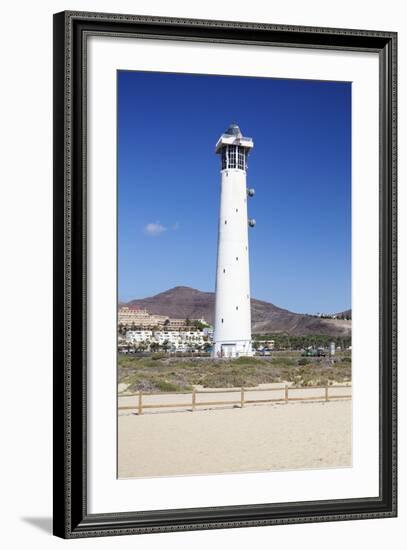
<point>140,405</point>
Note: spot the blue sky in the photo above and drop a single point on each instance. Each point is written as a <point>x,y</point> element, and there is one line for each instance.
<point>168,185</point>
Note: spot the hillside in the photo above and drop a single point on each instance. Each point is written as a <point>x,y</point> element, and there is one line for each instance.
<point>347,313</point>
<point>183,302</point>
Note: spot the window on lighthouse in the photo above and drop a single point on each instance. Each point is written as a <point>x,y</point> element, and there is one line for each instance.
<point>224,162</point>
<point>241,158</point>
<point>232,156</point>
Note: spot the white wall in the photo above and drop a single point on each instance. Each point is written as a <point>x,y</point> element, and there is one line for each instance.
<point>26,231</point>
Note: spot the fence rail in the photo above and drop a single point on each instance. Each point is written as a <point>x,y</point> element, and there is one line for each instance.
<point>140,405</point>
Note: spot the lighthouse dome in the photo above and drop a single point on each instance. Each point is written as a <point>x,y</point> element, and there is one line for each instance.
<point>234,130</point>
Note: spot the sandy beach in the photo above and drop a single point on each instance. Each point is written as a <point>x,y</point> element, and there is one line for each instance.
<point>295,435</point>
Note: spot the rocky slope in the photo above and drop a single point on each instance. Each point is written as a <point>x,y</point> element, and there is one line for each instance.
<point>183,302</point>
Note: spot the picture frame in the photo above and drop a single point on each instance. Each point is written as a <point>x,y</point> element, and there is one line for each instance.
<point>71,516</point>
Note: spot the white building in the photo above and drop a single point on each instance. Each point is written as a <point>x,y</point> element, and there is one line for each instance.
<point>208,331</point>
<point>171,337</point>
<point>128,316</point>
<point>136,336</point>
<point>232,336</point>
<point>192,337</point>
<point>181,340</point>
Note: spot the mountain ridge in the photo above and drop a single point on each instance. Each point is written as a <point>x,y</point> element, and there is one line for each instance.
<point>187,302</point>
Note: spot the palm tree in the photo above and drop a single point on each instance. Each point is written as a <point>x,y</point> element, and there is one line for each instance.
<point>154,346</point>
<point>143,346</point>
<point>165,345</point>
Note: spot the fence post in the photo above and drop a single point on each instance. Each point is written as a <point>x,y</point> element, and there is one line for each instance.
<point>193,399</point>
<point>326,393</point>
<point>242,397</point>
<point>286,393</point>
<point>140,402</point>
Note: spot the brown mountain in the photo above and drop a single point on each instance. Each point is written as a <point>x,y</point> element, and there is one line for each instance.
<point>347,313</point>
<point>182,302</point>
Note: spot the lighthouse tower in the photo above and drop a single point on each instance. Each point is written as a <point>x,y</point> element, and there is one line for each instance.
<point>232,336</point>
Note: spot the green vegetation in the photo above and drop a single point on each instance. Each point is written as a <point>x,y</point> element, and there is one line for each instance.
<point>199,325</point>
<point>163,373</point>
<point>165,386</point>
<point>286,341</point>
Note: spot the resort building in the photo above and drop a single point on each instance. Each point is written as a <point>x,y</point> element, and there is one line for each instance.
<point>172,339</point>
<point>136,336</point>
<point>141,318</point>
<point>128,316</point>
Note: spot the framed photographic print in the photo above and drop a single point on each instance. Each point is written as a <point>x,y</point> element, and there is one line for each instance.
<point>224,274</point>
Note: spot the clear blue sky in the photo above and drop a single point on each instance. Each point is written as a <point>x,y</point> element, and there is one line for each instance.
<point>168,185</point>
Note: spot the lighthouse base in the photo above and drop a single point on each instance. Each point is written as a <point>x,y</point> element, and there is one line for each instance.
<point>241,348</point>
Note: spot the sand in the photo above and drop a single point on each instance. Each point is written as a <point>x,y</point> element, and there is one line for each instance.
<point>296,435</point>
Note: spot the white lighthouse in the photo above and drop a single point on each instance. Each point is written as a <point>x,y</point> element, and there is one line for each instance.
<point>232,336</point>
